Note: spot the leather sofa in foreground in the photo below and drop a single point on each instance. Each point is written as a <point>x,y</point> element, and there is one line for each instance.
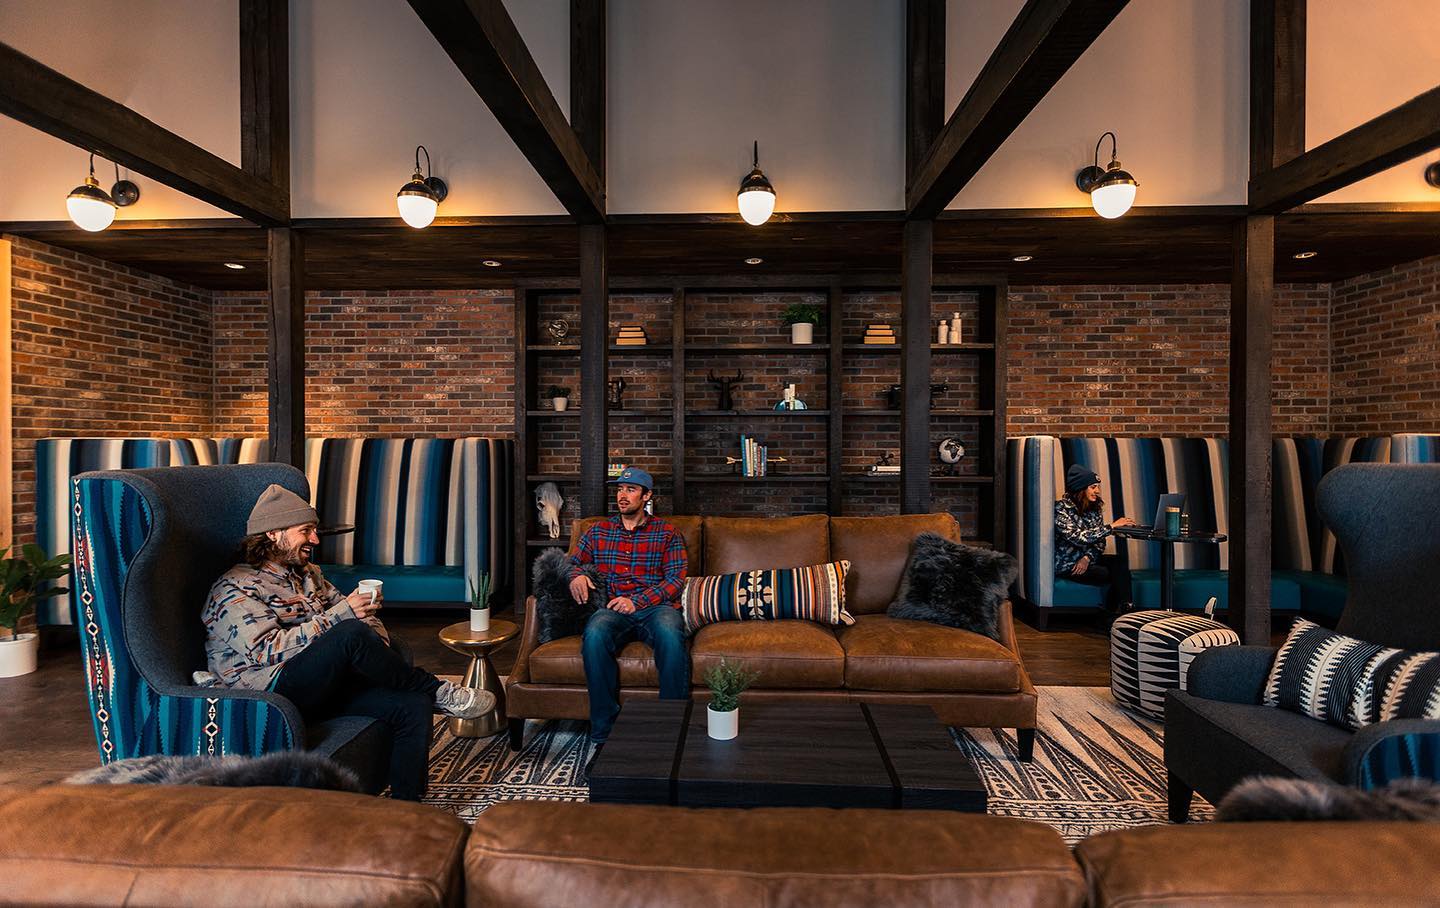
<point>166,845</point>
<point>968,679</point>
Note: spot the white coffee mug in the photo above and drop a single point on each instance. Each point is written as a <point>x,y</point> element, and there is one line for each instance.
<point>372,587</point>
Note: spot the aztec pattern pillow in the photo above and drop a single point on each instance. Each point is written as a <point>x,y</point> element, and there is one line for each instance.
<point>1349,682</point>
<point>814,593</point>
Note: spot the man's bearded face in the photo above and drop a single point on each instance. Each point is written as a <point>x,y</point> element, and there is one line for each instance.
<point>295,545</point>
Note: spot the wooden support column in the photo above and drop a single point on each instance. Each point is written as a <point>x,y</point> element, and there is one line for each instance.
<point>286,370</point>
<point>587,80</point>
<point>915,291</point>
<point>265,91</point>
<point>925,78</point>
<point>1252,298</point>
<point>594,370</point>
<point>7,434</point>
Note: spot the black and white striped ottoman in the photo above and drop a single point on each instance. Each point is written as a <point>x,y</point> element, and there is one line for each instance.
<point>1151,652</point>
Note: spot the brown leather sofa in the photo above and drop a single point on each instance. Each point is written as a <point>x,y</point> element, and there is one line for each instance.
<point>163,845</point>
<point>969,679</point>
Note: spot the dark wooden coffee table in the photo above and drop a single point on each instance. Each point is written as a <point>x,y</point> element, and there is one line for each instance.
<point>787,755</point>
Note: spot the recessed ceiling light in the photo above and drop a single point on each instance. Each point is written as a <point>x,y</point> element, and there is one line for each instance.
<point>1308,254</point>
<point>1022,258</point>
<point>753,260</point>
<point>235,266</point>
<point>490,263</point>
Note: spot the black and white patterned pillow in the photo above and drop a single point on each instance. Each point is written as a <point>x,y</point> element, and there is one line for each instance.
<point>1351,683</point>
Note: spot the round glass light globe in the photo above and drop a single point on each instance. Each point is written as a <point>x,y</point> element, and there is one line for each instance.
<point>756,206</point>
<point>416,210</point>
<point>1113,200</point>
<point>90,214</point>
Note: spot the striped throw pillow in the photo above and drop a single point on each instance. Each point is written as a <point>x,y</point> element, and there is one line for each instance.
<point>1351,683</point>
<point>814,593</point>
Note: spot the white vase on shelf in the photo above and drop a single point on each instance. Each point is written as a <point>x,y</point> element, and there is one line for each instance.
<point>802,333</point>
<point>559,403</point>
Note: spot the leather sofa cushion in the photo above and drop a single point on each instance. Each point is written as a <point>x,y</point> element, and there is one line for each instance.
<point>786,653</point>
<point>751,543</point>
<point>538,853</point>
<point>878,549</point>
<point>1264,864</point>
<point>692,528</point>
<point>560,662</point>
<point>194,845</point>
<point>894,654</point>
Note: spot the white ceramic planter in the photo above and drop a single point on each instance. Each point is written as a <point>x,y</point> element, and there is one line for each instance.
<point>802,333</point>
<point>722,726</point>
<point>479,620</point>
<point>19,656</point>
<point>560,403</point>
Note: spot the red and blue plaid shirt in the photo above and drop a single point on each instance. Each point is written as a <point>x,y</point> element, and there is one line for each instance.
<point>645,565</point>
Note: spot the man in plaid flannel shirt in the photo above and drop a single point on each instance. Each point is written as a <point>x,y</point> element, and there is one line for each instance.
<point>642,562</point>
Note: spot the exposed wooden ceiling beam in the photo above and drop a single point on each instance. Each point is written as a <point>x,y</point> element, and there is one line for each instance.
<point>587,79</point>
<point>1277,82</point>
<point>265,91</point>
<point>483,42</point>
<point>924,78</point>
<point>40,97</point>
<point>1392,138</point>
<point>1045,39</point>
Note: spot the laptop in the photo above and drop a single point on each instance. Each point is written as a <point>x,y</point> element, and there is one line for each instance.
<point>1167,500</point>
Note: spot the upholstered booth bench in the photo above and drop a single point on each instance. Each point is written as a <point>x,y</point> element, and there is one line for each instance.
<point>430,514</point>
<point>968,679</point>
<point>1308,575</point>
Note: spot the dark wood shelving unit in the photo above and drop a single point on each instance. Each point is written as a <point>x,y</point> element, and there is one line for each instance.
<point>913,492</point>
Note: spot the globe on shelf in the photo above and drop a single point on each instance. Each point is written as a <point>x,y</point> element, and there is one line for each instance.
<point>951,450</point>
<point>558,329</point>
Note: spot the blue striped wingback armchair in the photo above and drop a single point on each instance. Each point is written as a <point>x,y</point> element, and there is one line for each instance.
<point>148,544</point>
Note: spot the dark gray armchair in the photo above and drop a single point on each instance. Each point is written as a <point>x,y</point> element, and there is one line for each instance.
<point>148,544</point>
<point>1386,518</point>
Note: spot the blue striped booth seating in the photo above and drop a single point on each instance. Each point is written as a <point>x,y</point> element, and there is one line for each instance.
<point>430,514</point>
<point>1413,447</point>
<point>1134,473</point>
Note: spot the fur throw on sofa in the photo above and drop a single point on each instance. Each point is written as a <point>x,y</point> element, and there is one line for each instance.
<point>1268,798</point>
<point>954,585</point>
<point>559,615</point>
<point>290,768</point>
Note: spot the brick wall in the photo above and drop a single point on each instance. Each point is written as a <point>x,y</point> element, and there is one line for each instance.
<point>101,350</point>
<point>1385,330</point>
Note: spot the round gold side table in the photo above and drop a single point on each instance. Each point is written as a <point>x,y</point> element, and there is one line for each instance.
<point>481,673</point>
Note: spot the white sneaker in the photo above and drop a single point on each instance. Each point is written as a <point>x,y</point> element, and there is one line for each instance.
<point>463,702</point>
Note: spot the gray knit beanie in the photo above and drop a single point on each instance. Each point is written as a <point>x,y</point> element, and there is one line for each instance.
<point>279,509</point>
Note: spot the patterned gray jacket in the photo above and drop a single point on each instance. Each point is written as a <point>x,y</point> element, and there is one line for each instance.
<point>1077,535</point>
<point>256,618</point>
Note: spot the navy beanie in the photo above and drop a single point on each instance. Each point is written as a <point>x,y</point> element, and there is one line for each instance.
<point>1078,477</point>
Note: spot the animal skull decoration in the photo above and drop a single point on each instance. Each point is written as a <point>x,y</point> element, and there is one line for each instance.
<point>548,501</point>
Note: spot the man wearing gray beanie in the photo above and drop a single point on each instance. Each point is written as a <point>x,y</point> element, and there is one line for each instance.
<point>1080,532</point>
<point>273,622</point>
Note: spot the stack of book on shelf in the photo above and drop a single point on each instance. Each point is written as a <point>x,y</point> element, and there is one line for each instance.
<point>631,336</point>
<point>754,457</point>
<point>878,333</point>
<point>885,469</point>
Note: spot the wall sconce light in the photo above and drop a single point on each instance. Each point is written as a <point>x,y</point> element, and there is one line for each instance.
<point>92,208</point>
<point>418,199</point>
<point>1432,174</point>
<point>756,195</point>
<point>1112,190</point>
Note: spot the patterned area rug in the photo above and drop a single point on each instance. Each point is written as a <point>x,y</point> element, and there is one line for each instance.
<point>1096,767</point>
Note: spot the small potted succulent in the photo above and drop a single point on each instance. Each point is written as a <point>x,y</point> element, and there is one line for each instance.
<point>726,682</point>
<point>559,396</point>
<point>21,579</point>
<point>480,603</point>
<point>802,319</point>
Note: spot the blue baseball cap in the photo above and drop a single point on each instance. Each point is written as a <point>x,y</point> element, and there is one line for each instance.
<point>634,476</point>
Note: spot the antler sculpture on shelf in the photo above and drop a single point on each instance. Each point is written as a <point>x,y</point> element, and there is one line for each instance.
<point>723,384</point>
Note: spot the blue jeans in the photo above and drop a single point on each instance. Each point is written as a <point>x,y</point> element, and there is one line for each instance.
<point>606,634</point>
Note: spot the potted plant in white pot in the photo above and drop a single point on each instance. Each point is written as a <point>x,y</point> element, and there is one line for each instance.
<point>480,603</point>
<point>559,396</point>
<point>726,682</point>
<point>802,319</point>
<point>20,578</point>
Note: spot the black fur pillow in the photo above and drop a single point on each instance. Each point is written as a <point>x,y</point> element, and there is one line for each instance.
<point>559,614</point>
<point>954,585</point>
<point>290,768</point>
<point>1265,799</point>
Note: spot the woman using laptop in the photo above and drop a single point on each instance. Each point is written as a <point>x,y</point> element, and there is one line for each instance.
<point>1080,531</point>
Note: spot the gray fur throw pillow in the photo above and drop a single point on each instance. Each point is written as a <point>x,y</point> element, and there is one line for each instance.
<point>1267,798</point>
<point>559,614</point>
<point>288,768</point>
<point>954,585</point>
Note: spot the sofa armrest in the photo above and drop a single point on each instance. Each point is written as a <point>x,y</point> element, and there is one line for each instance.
<point>529,635</point>
<point>1399,749</point>
<point>221,720</point>
<point>1231,674</point>
<point>1005,623</point>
